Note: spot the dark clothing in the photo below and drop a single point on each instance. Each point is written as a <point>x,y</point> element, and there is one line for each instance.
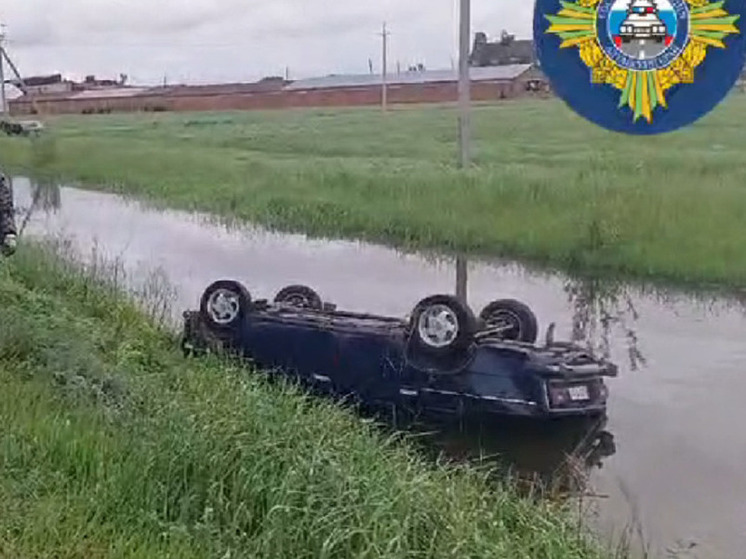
<point>7,212</point>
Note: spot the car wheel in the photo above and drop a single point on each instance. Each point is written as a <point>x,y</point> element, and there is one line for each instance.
<point>299,296</point>
<point>442,324</point>
<point>224,304</point>
<point>516,320</point>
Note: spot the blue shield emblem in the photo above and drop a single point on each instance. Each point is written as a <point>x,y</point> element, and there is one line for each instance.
<point>641,66</point>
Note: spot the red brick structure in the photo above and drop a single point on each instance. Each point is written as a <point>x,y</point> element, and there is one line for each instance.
<point>488,84</point>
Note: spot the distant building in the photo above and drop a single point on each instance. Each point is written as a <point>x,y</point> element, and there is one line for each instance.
<point>506,51</point>
<point>91,82</point>
<point>55,84</point>
<point>44,85</point>
<point>491,83</point>
<point>421,78</point>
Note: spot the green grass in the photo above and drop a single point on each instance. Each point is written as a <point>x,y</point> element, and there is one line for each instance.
<point>113,446</point>
<point>546,186</point>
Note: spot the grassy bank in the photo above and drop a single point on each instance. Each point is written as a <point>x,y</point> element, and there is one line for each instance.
<point>546,185</point>
<point>113,446</point>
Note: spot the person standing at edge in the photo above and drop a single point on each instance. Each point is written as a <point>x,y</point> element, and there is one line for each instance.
<point>8,233</point>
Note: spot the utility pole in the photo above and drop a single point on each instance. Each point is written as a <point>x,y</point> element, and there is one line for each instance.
<point>464,101</point>
<point>464,85</point>
<point>3,99</point>
<point>4,58</point>
<point>384,85</point>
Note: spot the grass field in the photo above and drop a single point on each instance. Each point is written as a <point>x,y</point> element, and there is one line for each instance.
<point>113,446</point>
<point>546,186</point>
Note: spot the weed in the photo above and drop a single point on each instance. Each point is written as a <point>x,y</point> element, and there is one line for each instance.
<point>552,189</point>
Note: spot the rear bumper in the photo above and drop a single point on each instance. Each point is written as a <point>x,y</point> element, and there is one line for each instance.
<point>445,402</point>
<point>557,398</point>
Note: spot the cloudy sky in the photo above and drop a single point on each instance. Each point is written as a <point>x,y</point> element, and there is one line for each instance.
<point>201,41</point>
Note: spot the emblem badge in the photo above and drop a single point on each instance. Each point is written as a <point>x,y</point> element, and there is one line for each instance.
<point>640,66</point>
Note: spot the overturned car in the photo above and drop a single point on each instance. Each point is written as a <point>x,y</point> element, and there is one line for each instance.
<point>441,360</point>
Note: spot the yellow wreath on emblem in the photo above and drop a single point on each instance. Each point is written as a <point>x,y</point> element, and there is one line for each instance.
<point>642,91</point>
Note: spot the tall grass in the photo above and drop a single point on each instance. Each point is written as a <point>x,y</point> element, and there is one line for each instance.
<point>113,446</point>
<point>546,185</point>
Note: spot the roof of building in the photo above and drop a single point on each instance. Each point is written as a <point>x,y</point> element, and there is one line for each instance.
<point>506,50</point>
<point>34,81</point>
<point>108,93</point>
<point>478,74</point>
<point>492,73</point>
<point>58,96</point>
<point>220,89</point>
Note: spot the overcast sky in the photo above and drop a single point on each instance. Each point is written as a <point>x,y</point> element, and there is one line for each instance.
<point>201,41</point>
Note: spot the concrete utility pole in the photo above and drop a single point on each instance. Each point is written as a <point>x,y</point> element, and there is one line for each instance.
<point>4,58</point>
<point>464,84</point>
<point>384,85</point>
<point>3,99</point>
<point>464,101</point>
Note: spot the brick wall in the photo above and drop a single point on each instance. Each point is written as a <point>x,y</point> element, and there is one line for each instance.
<point>341,97</point>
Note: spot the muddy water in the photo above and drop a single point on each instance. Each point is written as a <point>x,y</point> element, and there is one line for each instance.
<point>676,409</point>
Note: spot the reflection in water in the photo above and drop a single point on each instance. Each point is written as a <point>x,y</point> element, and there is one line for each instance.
<point>547,458</point>
<point>45,196</point>
<point>560,456</point>
<point>45,191</point>
<point>462,279</point>
<point>599,307</point>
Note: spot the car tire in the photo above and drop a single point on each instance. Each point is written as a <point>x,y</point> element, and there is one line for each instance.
<point>299,296</point>
<point>453,331</point>
<point>517,315</point>
<point>228,313</point>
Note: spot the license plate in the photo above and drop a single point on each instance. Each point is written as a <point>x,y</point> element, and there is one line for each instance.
<point>579,393</point>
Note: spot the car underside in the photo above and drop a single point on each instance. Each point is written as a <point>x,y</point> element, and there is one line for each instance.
<point>442,360</point>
